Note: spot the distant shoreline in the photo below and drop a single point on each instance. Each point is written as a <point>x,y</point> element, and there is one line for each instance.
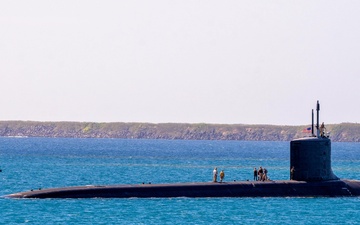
<point>343,132</point>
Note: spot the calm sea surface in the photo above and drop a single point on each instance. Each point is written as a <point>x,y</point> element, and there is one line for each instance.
<point>32,163</point>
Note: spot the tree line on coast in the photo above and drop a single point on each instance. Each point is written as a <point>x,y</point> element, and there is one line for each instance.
<point>343,132</point>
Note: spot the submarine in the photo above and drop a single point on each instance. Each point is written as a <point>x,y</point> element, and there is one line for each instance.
<point>310,173</point>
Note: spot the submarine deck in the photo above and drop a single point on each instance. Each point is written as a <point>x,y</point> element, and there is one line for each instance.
<point>284,188</point>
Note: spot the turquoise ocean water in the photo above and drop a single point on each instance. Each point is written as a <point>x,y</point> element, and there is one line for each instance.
<point>32,163</point>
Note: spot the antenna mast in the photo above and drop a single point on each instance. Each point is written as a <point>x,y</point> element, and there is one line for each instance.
<point>312,122</point>
<point>317,118</point>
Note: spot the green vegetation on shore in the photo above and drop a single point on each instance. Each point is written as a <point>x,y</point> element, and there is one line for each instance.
<point>344,132</point>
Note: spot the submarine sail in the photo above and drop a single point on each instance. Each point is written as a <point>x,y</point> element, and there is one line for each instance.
<point>310,157</point>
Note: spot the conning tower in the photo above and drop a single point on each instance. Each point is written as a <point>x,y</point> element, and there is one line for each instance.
<point>310,157</point>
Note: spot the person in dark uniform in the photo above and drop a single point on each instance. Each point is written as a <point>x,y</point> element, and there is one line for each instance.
<point>255,174</point>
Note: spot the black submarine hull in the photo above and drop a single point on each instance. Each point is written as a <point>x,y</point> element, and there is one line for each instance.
<point>311,176</point>
<point>331,188</point>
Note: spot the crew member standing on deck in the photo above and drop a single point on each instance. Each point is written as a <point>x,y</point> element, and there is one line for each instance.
<point>292,170</point>
<point>222,175</point>
<point>265,177</point>
<point>260,173</point>
<point>215,174</point>
<point>255,174</point>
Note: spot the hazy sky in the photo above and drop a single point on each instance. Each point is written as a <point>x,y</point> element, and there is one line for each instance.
<point>248,62</point>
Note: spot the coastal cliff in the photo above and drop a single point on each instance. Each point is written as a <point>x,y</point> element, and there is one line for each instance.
<point>344,132</point>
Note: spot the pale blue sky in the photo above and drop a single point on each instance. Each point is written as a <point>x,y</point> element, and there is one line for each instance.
<point>248,62</point>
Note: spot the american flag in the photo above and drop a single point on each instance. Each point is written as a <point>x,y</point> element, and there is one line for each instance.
<point>306,130</point>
